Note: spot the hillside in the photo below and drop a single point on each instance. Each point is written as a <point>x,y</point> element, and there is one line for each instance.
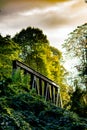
<point>22,109</point>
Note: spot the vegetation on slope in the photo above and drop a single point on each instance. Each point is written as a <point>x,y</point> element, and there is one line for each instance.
<point>22,109</point>
<point>9,51</point>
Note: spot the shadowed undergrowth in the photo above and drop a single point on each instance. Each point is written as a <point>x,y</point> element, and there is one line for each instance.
<point>22,109</point>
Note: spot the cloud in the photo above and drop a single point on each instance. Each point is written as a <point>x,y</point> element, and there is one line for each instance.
<point>51,17</point>
<point>56,19</point>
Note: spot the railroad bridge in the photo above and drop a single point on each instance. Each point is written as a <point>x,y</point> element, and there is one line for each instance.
<point>43,85</point>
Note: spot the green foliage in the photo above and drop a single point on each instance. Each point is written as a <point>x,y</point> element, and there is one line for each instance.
<point>20,107</point>
<point>18,81</point>
<point>76,41</point>
<point>79,102</point>
<point>24,110</point>
<point>30,36</point>
<point>28,39</point>
<point>8,52</point>
<point>39,55</point>
<point>76,48</point>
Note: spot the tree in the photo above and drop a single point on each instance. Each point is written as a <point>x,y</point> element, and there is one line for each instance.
<point>9,51</point>
<point>79,101</point>
<point>34,45</point>
<point>30,38</point>
<point>76,48</point>
<point>38,54</point>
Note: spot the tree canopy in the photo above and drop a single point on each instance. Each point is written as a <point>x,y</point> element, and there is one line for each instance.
<point>38,54</point>
<point>9,51</point>
<point>76,47</point>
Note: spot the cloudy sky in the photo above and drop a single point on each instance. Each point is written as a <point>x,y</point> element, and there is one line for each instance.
<point>57,18</point>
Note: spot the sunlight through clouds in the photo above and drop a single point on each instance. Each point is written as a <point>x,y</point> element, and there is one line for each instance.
<point>58,37</point>
<point>40,11</point>
<point>55,17</point>
<point>58,7</point>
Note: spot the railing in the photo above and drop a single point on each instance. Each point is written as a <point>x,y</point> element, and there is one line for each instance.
<point>43,85</point>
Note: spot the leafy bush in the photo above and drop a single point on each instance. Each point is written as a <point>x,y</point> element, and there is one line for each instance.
<point>23,109</point>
